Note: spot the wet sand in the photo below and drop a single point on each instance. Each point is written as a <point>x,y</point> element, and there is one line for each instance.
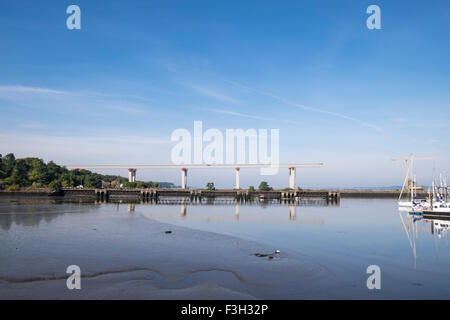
<point>133,257</point>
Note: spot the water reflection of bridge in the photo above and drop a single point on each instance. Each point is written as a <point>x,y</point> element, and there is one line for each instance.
<point>157,194</point>
<point>188,201</point>
<point>184,203</point>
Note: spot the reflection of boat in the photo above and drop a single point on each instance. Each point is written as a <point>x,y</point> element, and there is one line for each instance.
<point>412,223</point>
<point>439,226</point>
<point>411,232</point>
<point>442,225</point>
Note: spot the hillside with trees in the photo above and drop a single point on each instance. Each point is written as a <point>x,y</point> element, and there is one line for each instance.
<point>28,173</point>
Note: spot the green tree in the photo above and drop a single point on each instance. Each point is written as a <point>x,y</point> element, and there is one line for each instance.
<point>2,169</point>
<point>210,186</point>
<point>19,174</point>
<point>52,173</point>
<point>38,171</point>
<point>264,186</point>
<point>156,184</point>
<point>130,185</point>
<point>92,180</point>
<point>8,163</point>
<point>251,188</point>
<point>55,185</point>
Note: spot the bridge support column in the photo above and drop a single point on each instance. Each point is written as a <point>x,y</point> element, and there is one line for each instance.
<point>183,178</point>
<point>237,178</point>
<point>292,177</point>
<point>131,175</point>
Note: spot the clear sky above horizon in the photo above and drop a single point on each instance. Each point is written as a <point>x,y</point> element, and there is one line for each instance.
<point>113,92</point>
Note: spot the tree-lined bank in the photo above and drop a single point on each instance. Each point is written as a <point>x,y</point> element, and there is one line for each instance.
<point>29,173</point>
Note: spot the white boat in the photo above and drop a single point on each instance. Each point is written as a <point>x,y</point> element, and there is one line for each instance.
<point>411,200</point>
<point>405,203</point>
<point>437,208</point>
<point>439,201</point>
<point>411,204</point>
<point>409,185</point>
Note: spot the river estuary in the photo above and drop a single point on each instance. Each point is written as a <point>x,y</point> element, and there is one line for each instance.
<point>219,251</point>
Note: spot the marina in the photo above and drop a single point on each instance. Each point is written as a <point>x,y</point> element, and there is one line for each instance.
<point>435,202</point>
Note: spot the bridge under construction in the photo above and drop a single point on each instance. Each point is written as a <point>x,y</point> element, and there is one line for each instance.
<point>184,169</point>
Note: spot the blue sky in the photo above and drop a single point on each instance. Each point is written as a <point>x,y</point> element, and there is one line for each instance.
<point>340,93</point>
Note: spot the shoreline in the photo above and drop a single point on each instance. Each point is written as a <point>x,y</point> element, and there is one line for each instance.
<point>344,193</point>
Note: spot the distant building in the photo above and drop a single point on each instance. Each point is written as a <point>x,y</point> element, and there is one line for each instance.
<point>115,183</point>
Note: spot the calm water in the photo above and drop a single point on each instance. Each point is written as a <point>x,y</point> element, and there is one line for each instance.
<point>39,238</point>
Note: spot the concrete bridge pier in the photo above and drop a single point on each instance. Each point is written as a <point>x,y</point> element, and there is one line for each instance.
<point>101,195</point>
<point>194,196</point>
<point>147,195</point>
<point>237,187</point>
<point>131,175</point>
<point>292,177</point>
<point>183,178</point>
<point>333,197</point>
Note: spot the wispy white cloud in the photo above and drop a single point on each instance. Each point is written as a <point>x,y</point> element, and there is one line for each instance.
<point>249,116</point>
<point>303,107</point>
<point>22,89</point>
<point>238,114</point>
<point>125,107</point>
<point>116,96</point>
<point>83,139</point>
<point>212,93</point>
<point>58,101</point>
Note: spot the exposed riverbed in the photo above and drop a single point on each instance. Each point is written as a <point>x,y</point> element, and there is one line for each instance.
<point>147,251</point>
